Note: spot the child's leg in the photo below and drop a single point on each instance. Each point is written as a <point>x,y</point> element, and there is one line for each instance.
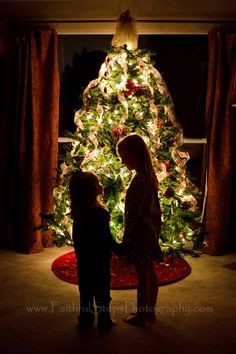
<point>86,297</point>
<point>142,289</point>
<point>102,299</point>
<point>86,316</point>
<point>147,289</point>
<point>138,318</point>
<point>152,290</point>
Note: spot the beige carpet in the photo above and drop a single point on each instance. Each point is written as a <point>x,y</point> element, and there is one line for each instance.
<point>39,311</point>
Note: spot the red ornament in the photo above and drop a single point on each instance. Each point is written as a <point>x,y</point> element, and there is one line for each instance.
<point>167,164</point>
<point>137,88</point>
<point>128,93</point>
<point>118,131</point>
<point>160,123</point>
<point>132,88</point>
<point>129,84</point>
<point>115,132</point>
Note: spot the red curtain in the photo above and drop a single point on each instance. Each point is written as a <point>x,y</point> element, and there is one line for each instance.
<point>220,127</point>
<point>36,138</point>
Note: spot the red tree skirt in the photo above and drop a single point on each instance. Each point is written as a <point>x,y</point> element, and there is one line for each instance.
<point>123,275</point>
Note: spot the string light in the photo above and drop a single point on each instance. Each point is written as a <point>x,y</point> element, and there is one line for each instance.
<point>123,55</point>
<point>103,70</point>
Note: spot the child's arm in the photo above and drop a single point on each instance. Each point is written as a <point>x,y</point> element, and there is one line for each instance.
<point>134,208</point>
<point>107,235</point>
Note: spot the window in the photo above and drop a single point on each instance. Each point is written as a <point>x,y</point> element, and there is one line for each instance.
<point>182,62</point>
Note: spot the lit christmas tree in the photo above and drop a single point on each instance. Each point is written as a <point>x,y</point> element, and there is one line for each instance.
<point>130,96</point>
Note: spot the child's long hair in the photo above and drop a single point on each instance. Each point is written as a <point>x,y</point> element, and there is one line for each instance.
<point>136,146</point>
<point>84,191</point>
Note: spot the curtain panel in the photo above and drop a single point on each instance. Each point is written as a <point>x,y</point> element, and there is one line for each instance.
<point>35,142</point>
<point>220,130</point>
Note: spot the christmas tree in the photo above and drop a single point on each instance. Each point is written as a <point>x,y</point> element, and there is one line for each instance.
<point>130,96</point>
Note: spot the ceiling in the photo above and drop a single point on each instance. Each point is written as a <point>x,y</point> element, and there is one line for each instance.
<point>109,10</point>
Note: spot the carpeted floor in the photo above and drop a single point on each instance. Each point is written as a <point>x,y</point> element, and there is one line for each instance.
<point>123,274</point>
<point>38,311</point>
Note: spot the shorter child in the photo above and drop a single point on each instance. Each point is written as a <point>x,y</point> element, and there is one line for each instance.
<point>93,244</point>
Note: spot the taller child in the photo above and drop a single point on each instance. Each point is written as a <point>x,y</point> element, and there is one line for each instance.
<point>142,225</point>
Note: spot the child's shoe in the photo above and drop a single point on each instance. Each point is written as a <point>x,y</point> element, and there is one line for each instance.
<point>105,322</point>
<point>106,325</point>
<point>86,320</point>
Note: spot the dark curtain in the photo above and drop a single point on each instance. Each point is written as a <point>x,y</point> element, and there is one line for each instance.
<point>220,130</point>
<point>35,143</point>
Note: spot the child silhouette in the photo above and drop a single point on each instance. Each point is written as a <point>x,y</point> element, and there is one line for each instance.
<point>142,225</point>
<point>93,244</point>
